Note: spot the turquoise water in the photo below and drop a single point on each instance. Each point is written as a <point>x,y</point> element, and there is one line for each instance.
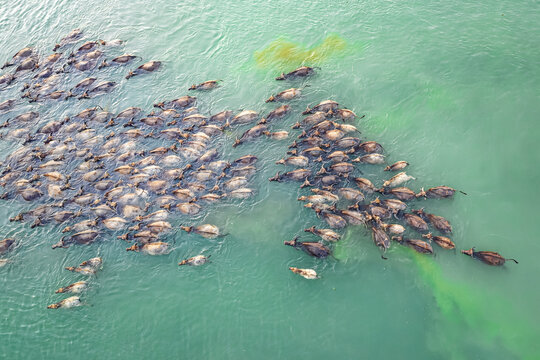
<point>450,87</point>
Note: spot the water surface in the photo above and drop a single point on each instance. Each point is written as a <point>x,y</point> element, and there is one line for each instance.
<point>450,87</point>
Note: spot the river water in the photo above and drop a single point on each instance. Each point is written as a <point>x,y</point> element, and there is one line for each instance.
<point>451,87</point>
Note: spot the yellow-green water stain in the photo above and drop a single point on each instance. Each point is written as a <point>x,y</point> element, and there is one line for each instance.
<point>487,316</point>
<point>283,54</point>
<point>461,310</point>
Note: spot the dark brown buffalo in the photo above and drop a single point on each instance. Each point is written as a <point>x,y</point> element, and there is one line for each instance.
<point>402,193</point>
<point>150,66</point>
<point>438,222</point>
<point>365,185</point>
<point>6,79</point>
<point>380,238</point>
<point>250,134</point>
<point>442,241</point>
<point>300,72</point>
<point>419,246</point>
<point>295,175</point>
<point>311,248</point>
<point>73,36</point>
<point>277,113</point>
<point>416,222</point>
<point>5,245</point>
<point>333,220</point>
<point>370,147</point>
<point>396,166</point>
<point>7,105</point>
<point>82,238</point>
<point>438,192</point>
<point>122,59</point>
<point>180,103</point>
<point>487,257</point>
<point>207,85</point>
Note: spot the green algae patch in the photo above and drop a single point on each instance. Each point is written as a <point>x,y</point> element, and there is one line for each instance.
<point>284,54</point>
<point>485,319</point>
